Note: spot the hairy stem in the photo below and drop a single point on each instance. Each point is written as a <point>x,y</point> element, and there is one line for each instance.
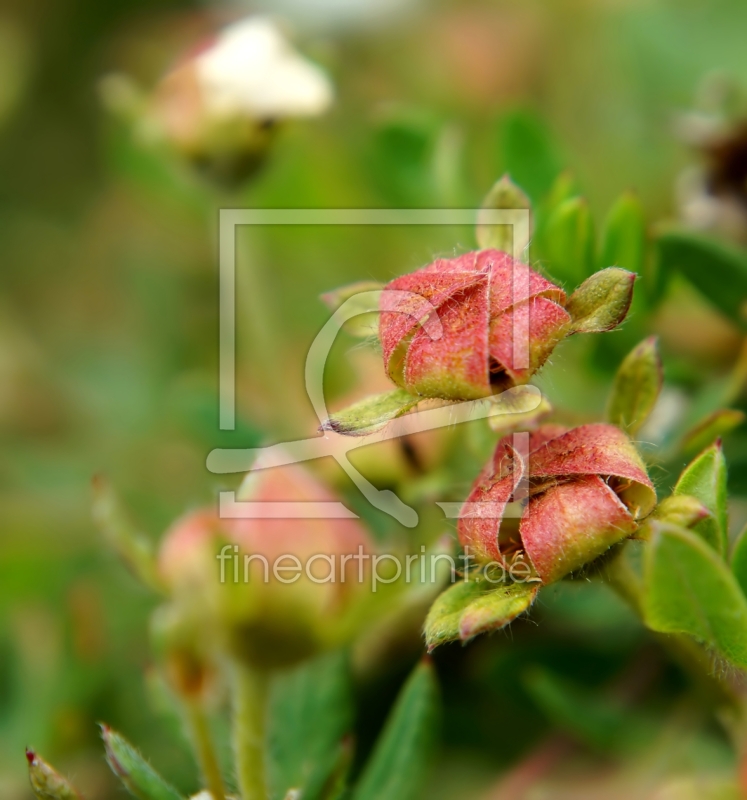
<point>207,758</point>
<point>250,706</point>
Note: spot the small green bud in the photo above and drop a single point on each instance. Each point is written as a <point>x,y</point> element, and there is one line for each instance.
<point>46,782</point>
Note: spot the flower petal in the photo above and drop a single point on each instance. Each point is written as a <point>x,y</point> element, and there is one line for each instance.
<point>571,524</point>
<point>455,365</point>
<point>401,315</point>
<point>481,514</point>
<point>532,330</point>
<point>598,450</point>
<point>512,282</point>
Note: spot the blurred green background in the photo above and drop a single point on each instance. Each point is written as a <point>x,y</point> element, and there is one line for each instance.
<point>108,302</point>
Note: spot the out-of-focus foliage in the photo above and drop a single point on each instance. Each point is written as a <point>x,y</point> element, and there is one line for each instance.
<point>108,354</point>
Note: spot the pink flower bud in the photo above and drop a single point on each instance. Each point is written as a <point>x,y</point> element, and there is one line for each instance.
<point>270,616</point>
<point>500,321</point>
<point>587,489</point>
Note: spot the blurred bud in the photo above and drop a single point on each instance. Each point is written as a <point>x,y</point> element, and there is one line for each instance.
<point>587,489</point>
<point>46,782</point>
<point>220,107</point>
<point>275,590</point>
<point>485,300</point>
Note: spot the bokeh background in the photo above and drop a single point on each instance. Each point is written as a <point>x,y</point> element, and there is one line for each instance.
<point>108,314</point>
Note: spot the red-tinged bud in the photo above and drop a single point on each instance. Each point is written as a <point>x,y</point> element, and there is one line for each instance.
<point>275,589</point>
<point>587,489</point>
<point>500,322</point>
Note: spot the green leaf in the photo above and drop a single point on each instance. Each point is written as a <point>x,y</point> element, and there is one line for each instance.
<point>46,782</point>
<point>132,546</point>
<point>636,387</point>
<point>689,589</point>
<point>475,606</point>
<point>569,241</point>
<point>310,713</point>
<point>718,423</point>
<point>366,323</point>
<point>596,721</point>
<point>371,414</point>
<point>624,235</point>
<point>739,559</point>
<point>682,509</point>
<point>139,778</point>
<point>717,270</point>
<point>529,155</point>
<point>504,194</point>
<point>705,479</point>
<point>601,302</point>
<point>400,758</point>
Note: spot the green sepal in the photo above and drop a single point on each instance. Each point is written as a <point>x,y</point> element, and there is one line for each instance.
<point>139,778</point>
<point>636,387</point>
<point>371,414</point>
<point>503,194</point>
<point>46,782</point>
<point>569,241</point>
<point>601,302</point>
<point>705,479</point>
<point>624,235</point>
<point>476,606</point>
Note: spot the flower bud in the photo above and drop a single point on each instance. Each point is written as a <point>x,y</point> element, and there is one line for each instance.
<point>587,489</point>
<point>220,107</point>
<point>275,590</point>
<point>500,322</point>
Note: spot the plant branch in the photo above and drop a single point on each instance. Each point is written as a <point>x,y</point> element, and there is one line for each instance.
<point>250,707</point>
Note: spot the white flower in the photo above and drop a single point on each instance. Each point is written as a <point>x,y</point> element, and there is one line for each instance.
<point>253,71</point>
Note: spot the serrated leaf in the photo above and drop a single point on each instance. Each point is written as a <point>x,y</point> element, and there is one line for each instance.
<point>739,559</point>
<point>529,154</point>
<point>371,414</point>
<point>310,713</point>
<point>366,321</point>
<point>602,301</point>
<point>398,765</point>
<point>504,194</point>
<point>717,270</point>
<point>139,778</point>
<point>636,387</point>
<point>689,589</point>
<point>705,479</point>
<point>475,606</point>
<point>596,721</point>
<point>624,235</point>
<point>716,424</point>
<point>569,241</point>
<point>46,782</point>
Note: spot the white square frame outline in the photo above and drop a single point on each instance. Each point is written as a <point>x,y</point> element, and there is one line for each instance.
<point>231,218</point>
<point>229,506</point>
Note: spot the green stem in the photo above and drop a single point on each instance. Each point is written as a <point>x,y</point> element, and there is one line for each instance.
<point>207,758</point>
<point>624,580</point>
<point>250,707</point>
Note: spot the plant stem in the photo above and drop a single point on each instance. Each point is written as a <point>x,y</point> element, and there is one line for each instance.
<point>250,706</point>
<point>207,758</point>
